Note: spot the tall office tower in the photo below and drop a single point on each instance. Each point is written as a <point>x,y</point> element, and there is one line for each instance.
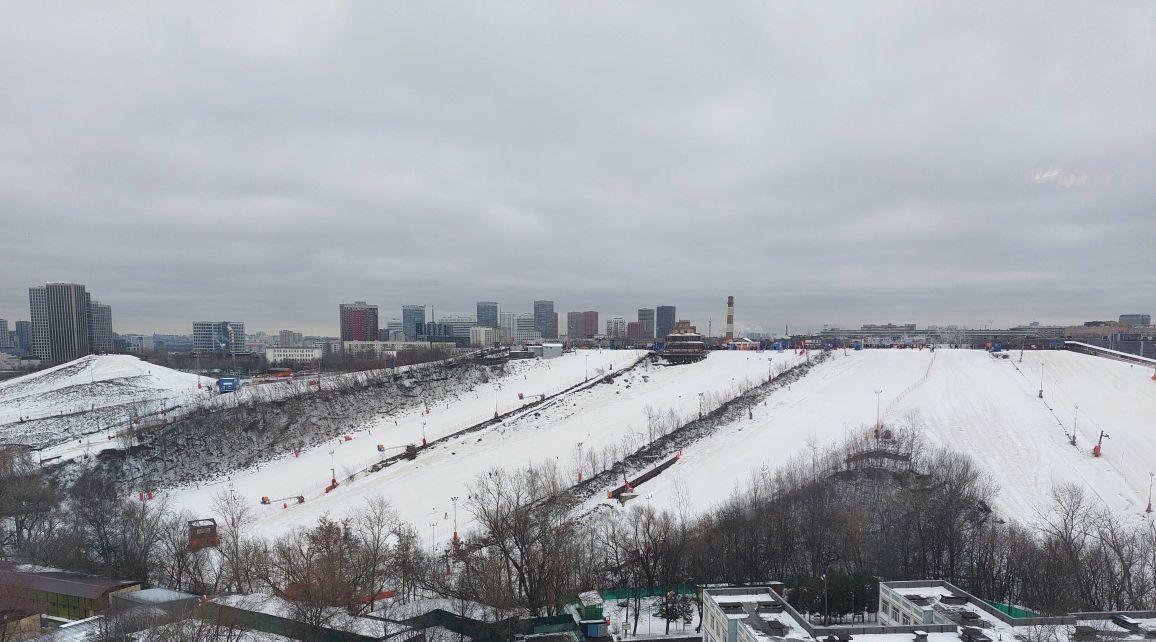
<point>61,312</point>
<point>616,328</point>
<point>589,324</point>
<point>5,342</point>
<point>646,318</point>
<point>573,325</point>
<point>24,335</point>
<point>100,327</point>
<point>544,321</point>
<point>219,337</point>
<point>487,314</point>
<point>413,320</point>
<point>358,321</point>
<point>38,311</point>
<point>664,323</point>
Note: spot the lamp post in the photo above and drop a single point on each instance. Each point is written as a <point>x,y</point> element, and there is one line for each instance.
<point>578,459</point>
<point>432,527</point>
<point>1041,380</point>
<point>588,367</point>
<point>497,387</point>
<point>423,442</point>
<point>454,499</point>
<point>878,395</point>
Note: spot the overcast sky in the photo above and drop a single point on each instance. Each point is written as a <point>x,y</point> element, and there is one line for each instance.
<point>841,162</point>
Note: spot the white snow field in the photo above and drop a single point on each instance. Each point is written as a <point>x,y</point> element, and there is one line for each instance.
<point>966,400</point>
<point>94,380</point>
<point>421,490</point>
<point>88,394</point>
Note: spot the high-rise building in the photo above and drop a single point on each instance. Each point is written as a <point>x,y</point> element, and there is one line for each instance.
<point>24,335</point>
<point>589,324</point>
<point>616,328</point>
<point>1135,319</point>
<point>38,311</point>
<point>646,318</point>
<point>219,337</point>
<point>544,321</point>
<point>413,321</point>
<point>290,339</point>
<point>574,325</point>
<point>487,314</point>
<point>394,331</point>
<point>358,321</point>
<point>526,328</point>
<point>635,331</point>
<point>5,342</point>
<point>100,337</point>
<point>506,326</point>
<point>460,326</point>
<point>61,321</point>
<point>664,321</point>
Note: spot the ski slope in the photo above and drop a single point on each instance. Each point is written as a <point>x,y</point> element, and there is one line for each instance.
<point>597,416</point>
<point>964,399</point>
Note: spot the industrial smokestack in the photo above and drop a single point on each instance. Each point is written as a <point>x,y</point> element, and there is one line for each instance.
<point>730,319</point>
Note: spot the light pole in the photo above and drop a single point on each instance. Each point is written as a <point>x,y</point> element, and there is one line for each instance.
<point>1041,380</point>
<point>878,395</point>
<point>432,526</point>
<point>497,387</point>
<point>588,367</point>
<point>423,442</point>
<point>454,499</point>
<point>578,459</point>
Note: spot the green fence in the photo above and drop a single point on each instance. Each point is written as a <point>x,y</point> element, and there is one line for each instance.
<point>1012,610</point>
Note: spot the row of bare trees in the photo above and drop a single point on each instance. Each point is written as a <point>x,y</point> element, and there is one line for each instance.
<point>532,547</point>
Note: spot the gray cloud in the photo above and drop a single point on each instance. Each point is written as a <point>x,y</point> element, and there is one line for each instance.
<point>824,163</point>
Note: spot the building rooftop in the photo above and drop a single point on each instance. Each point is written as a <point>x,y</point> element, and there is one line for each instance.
<point>61,582</point>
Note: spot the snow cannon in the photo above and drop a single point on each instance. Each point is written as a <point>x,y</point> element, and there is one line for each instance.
<point>1097,450</point>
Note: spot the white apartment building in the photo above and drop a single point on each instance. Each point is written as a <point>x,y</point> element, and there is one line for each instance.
<point>277,354</point>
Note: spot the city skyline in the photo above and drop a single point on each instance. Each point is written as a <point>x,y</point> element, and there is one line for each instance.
<point>718,319</point>
<point>935,168</point>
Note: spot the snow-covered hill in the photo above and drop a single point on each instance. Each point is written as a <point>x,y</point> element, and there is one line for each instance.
<point>607,419</point>
<point>88,394</point>
<point>963,399</point>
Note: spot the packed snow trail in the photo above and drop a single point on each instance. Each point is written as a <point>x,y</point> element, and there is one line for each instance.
<point>421,490</point>
<point>969,402</point>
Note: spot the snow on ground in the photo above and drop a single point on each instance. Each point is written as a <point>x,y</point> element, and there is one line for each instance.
<point>90,394</point>
<point>621,614</point>
<point>421,490</point>
<point>966,400</point>
<point>94,380</point>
